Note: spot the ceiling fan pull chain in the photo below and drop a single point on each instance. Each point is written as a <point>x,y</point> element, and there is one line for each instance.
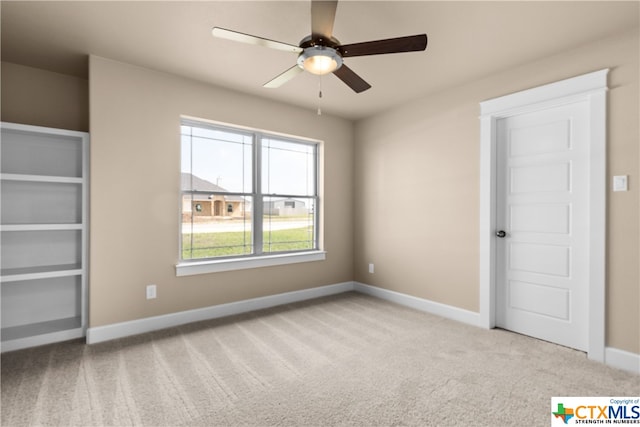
<point>319,94</point>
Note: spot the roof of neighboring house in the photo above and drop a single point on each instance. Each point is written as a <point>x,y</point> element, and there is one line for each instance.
<point>192,182</point>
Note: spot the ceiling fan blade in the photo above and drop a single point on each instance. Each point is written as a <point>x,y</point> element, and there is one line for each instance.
<point>254,40</point>
<point>351,79</point>
<point>323,15</point>
<point>378,47</point>
<point>284,77</point>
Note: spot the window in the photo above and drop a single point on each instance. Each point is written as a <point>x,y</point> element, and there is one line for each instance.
<point>267,184</point>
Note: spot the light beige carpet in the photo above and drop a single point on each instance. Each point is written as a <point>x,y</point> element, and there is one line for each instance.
<point>349,359</point>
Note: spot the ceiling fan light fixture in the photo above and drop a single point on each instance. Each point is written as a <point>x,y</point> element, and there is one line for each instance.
<point>320,60</point>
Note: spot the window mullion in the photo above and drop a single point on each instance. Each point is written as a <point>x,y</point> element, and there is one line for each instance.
<point>258,204</point>
<point>316,194</point>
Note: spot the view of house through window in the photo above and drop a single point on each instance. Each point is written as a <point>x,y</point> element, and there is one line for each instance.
<point>245,193</point>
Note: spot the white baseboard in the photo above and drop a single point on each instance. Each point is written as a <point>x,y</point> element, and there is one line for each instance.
<point>621,359</point>
<point>432,307</point>
<point>615,358</point>
<point>140,326</point>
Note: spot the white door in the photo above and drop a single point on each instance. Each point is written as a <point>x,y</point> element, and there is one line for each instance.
<point>542,270</point>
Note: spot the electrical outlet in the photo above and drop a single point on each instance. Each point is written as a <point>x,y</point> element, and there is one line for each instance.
<point>371,268</point>
<point>151,291</point>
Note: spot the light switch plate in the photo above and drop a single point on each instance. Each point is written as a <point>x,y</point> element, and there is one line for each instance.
<point>620,183</point>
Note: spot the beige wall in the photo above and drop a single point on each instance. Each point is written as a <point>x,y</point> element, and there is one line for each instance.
<point>423,155</point>
<point>427,154</point>
<point>43,98</point>
<point>135,155</point>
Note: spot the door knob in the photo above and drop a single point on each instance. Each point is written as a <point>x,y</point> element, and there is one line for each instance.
<point>501,234</point>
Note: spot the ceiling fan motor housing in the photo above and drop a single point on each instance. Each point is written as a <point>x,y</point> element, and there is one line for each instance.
<point>320,55</point>
<point>320,60</point>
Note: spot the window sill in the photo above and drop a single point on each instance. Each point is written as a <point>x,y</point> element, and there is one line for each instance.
<point>215,266</point>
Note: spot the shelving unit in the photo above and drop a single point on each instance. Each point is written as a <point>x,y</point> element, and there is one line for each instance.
<point>43,273</point>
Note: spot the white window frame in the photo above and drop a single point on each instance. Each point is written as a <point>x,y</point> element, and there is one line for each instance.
<point>256,260</point>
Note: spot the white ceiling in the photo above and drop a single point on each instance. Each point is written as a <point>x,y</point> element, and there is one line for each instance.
<point>467,40</point>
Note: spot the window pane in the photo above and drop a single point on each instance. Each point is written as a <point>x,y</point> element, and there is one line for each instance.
<point>288,224</point>
<point>216,160</point>
<point>215,225</point>
<point>288,168</point>
<point>219,171</point>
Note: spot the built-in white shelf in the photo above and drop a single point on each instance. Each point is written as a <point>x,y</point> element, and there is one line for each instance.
<point>40,227</point>
<point>40,272</point>
<point>40,333</point>
<point>40,178</point>
<point>43,271</point>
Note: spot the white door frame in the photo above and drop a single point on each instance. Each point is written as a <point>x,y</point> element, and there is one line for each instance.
<point>592,88</point>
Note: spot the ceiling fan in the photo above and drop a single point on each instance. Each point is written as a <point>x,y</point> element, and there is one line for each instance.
<point>320,53</point>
